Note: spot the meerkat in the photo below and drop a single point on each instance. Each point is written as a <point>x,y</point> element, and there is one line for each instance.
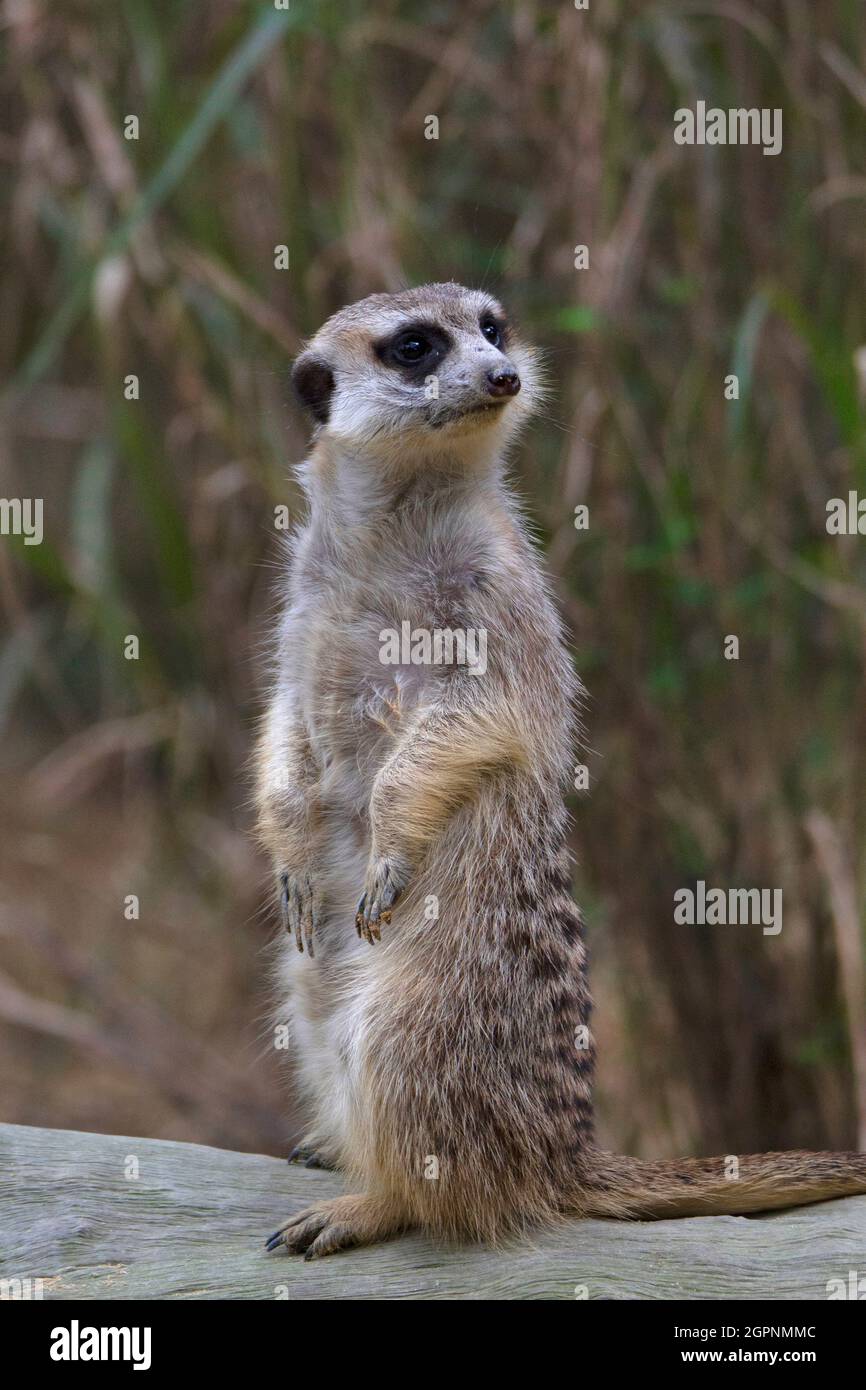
<point>434,971</point>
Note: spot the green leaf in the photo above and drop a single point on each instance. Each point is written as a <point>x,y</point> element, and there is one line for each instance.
<point>91,519</point>
<point>16,661</point>
<point>746,338</point>
<point>577,318</point>
<point>834,368</point>
<point>165,521</point>
<point>45,561</point>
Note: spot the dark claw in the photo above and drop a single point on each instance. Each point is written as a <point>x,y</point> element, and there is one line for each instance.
<point>311,1158</point>
<point>296,904</point>
<point>273,1241</point>
<point>300,1153</point>
<point>289,899</point>
<point>374,910</point>
<point>284,901</point>
<point>308,937</point>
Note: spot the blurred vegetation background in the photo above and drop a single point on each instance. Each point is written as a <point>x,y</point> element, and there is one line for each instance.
<point>304,127</point>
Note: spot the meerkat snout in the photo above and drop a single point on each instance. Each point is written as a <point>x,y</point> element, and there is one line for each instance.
<point>433,369</point>
<point>503,381</point>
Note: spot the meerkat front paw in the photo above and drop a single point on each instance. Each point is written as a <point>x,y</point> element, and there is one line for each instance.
<point>300,907</point>
<point>386,880</point>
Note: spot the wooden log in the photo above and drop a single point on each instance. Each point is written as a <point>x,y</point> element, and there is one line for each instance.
<point>99,1216</point>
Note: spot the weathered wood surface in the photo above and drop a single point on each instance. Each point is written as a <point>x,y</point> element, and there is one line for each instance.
<point>192,1224</point>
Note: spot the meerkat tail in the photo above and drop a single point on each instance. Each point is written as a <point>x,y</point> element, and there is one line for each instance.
<point>632,1189</point>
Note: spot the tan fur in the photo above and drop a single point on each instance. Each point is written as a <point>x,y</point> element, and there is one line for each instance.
<point>445,1055</point>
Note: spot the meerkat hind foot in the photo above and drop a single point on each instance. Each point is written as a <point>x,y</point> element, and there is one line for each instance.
<point>311,1157</point>
<point>337,1224</point>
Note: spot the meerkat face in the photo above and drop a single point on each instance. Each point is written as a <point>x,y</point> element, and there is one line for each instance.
<point>432,369</point>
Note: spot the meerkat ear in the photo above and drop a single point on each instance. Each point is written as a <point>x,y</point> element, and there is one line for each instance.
<point>313,381</point>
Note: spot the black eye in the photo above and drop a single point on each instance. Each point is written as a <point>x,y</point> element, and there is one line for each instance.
<point>411,348</point>
<point>414,349</point>
<point>490,329</point>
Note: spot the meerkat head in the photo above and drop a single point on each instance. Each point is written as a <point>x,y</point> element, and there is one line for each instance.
<point>433,370</point>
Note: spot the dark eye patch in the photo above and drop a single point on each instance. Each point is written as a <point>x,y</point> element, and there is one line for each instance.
<point>415,349</point>
<point>313,381</point>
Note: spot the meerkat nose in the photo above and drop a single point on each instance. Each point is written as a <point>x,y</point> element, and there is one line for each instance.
<point>503,381</point>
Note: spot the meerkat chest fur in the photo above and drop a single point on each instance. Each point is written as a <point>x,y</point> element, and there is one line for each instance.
<point>399,609</point>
